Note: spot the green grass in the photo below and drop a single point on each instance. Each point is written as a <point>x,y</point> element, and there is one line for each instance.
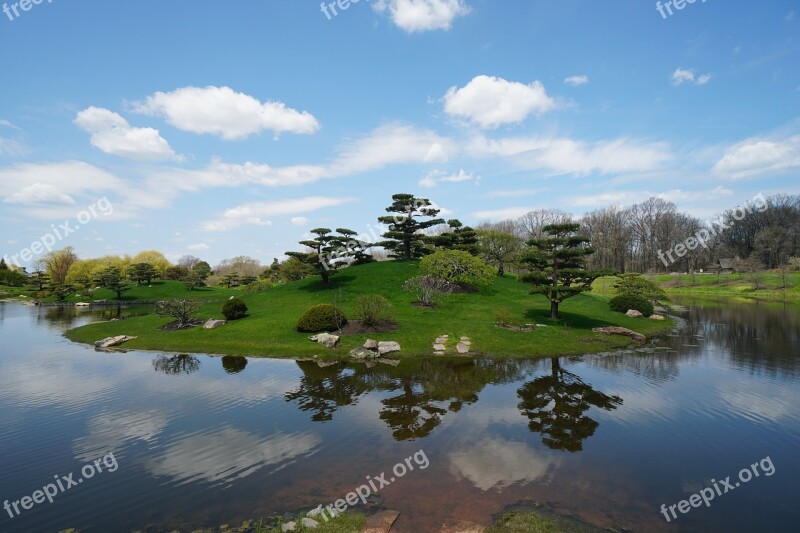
<point>345,523</point>
<point>268,330</point>
<point>157,290</point>
<point>762,286</point>
<point>539,522</point>
<point>14,293</point>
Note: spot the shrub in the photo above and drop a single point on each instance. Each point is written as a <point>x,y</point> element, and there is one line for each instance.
<point>182,310</point>
<point>322,317</point>
<point>640,286</point>
<point>428,290</point>
<point>373,309</point>
<point>257,286</point>
<point>503,317</point>
<point>234,309</point>
<point>456,266</point>
<point>625,302</point>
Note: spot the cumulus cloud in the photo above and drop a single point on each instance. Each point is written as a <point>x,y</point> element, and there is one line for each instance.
<point>577,80</point>
<point>260,213</point>
<point>198,247</point>
<point>224,112</point>
<point>490,102</point>
<point>423,15</point>
<point>299,221</point>
<point>682,75</point>
<point>112,134</point>
<point>568,156</point>
<point>27,180</point>
<point>431,179</point>
<point>40,193</point>
<point>758,157</point>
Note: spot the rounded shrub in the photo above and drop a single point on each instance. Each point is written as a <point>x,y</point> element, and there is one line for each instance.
<point>624,302</point>
<point>322,317</point>
<point>234,309</point>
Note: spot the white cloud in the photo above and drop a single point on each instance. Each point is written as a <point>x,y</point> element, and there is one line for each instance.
<point>498,463</point>
<point>568,156</point>
<point>12,148</point>
<point>682,75</point>
<point>198,247</point>
<point>299,221</point>
<point>225,112</point>
<point>113,135</point>
<point>259,213</point>
<point>432,178</point>
<point>577,80</point>
<point>757,157</point>
<point>423,15</point>
<point>490,101</point>
<point>230,454</point>
<point>68,178</point>
<point>40,193</point>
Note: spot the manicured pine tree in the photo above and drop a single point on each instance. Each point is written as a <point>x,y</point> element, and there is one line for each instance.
<point>406,238</point>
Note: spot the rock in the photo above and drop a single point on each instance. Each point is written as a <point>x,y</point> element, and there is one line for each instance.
<point>615,330</point>
<point>657,317</point>
<point>315,512</point>
<point>438,353</point>
<point>325,339</point>
<point>363,353</point>
<point>326,364</point>
<point>462,348</point>
<point>109,342</point>
<point>633,313</point>
<point>289,526</point>
<point>309,523</point>
<point>388,347</point>
<point>370,364</point>
<point>439,347</point>
<point>441,340</point>
<point>371,344</point>
<point>213,324</point>
<point>464,339</point>
<point>82,304</point>
<point>384,361</point>
<point>380,522</point>
<point>461,526</point>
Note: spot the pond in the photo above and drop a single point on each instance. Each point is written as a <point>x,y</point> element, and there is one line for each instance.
<point>196,441</point>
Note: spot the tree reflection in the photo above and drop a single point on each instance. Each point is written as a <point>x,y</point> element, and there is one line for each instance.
<point>323,390</point>
<point>556,405</point>
<point>176,364</point>
<point>233,364</point>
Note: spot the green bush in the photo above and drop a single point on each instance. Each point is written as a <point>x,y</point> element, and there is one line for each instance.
<point>625,302</point>
<point>234,309</point>
<point>322,317</point>
<point>455,266</point>
<point>373,310</point>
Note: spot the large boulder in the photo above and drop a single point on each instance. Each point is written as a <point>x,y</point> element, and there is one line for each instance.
<point>385,347</point>
<point>616,330</point>
<point>371,344</point>
<point>213,324</point>
<point>363,353</point>
<point>110,342</point>
<point>326,339</point>
<point>633,313</point>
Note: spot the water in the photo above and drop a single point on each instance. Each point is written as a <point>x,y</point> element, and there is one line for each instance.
<point>201,441</point>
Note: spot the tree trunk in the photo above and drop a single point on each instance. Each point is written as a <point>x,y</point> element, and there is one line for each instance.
<point>501,270</point>
<point>325,276</point>
<point>553,309</point>
<point>407,246</point>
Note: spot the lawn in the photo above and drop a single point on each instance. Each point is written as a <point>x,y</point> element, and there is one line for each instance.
<point>770,285</point>
<point>268,330</point>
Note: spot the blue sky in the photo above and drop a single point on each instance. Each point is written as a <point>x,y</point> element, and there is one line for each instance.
<point>221,129</point>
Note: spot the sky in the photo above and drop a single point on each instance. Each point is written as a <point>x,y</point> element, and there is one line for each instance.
<point>222,129</point>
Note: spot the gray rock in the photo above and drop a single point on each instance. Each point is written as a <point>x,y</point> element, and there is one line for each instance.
<point>370,364</point>
<point>213,324</point>
<point>363,353</point>
<point>462,348</point>
<point>388,347</point>
<point>289,526</point>
<point>371,344</point>
<point>326,364</point>
<point>392,362</point>
<point>633,313</point>
<point>315,512</point>
<point>109,342</point>
<point>326,339</point>
<point>464,339</point>
<point>439,347</point>
<point>441,340</point>
<point>309,523</point>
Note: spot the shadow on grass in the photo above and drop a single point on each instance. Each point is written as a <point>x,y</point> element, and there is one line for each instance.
<point>573,320</point>
<point>335,282</point>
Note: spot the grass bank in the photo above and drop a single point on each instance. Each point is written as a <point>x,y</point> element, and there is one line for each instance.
<point>760,286</point>
<point>268,330</point>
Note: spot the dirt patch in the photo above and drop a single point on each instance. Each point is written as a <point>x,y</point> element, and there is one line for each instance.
<point>463,288</point>
<point>356,327</point>
<point>424,306</point>
<point>173,326</point>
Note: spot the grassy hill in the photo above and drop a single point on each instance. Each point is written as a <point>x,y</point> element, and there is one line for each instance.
<point>759,285</point>
<point>268,330</point>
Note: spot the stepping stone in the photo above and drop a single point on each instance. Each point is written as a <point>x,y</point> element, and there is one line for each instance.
<point>439,347</point>
<point>462,348</point>
<point>380,522</point>
<point>438,353</point>
<point>464,339</point>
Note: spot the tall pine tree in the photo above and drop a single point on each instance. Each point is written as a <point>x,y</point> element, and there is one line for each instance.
<point>406,238</point>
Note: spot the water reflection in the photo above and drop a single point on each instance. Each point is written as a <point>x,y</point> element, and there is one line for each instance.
<point>556,405</point>
<point>176,364</point>
<point>233,364</point>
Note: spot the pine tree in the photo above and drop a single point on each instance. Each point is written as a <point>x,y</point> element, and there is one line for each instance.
<point>406,237</point>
